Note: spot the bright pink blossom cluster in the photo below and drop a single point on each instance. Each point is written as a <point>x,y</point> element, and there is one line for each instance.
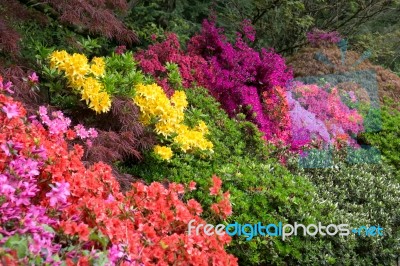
<point>237,75</point>
<point>256,83</point>
<point>319,113</point>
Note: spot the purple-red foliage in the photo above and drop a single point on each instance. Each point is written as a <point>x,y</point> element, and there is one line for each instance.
<point>318,37</point>
<point>12,12</point>
<point>237,75</point>
<point>9,38</point>
<point>96,16</point>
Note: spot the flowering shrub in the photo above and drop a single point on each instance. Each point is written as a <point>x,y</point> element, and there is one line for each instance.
<point>237,75</point>
<point>340,121</point>
<point>169,116</point>
<point>26,150</point>
<point>55,209</point>
<point>305,126</point>
<point>255,83</point>
<point>84,78</point>
<point>277,104</point>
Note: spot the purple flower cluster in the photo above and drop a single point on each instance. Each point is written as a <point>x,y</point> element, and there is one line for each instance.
<point>321,111</point>
<point>306,127</point>
<point>237,75</point>
<point>18,189</point>
<point>58,125</point>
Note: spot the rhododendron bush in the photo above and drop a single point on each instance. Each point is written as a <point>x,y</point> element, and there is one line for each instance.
<point>53,209</point>
<point>318,114</point>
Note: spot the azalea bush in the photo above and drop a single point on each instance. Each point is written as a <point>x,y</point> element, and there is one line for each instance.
<point>256,84</point>
<point>169,117</point>
<point>72,79</point>
<point>330,121</point>
<point>54,209</point>
<point>154,59</point>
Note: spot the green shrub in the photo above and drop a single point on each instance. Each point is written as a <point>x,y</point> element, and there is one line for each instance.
<point>388,139</point>
<point>360,194</point>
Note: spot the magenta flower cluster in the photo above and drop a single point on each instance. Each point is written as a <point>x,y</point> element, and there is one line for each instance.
<point>237,75</point>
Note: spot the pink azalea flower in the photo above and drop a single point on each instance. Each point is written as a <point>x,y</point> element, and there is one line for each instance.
<point>5,87</point>
<point>110,198</point>
<point>42,111</point>
<point>58,193</point>
<point>115,253</point>
<point>89,143</point>
<point>352,96</point>
<point>11,109</point>
<point>81,131</point>
<point>93,133</point>
<point>33,78</point>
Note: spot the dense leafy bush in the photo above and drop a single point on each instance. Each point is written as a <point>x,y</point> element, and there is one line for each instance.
<point>388,139</point>
<point>359,194</point>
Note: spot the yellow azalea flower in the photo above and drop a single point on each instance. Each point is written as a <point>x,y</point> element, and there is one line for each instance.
<point>90,87</point>
<point>164,129</point>
<point>98,66</point>
<point>202,127</point>
<point>100,102</point>
<point>145,119</point>
<point>58,57</point>
<point>77,82</point>
<point>164,152</point>
<point>169,114</point>
<point>179,100</point>
<point>77,71</point>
